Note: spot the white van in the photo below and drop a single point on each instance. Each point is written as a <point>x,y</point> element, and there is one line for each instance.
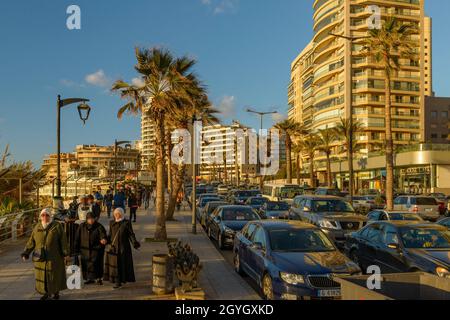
<point>282,192</point>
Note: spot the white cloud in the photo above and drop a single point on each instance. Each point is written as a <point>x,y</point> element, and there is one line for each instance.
<point>138,82</point>
<point>98,79</point>
<point>221,6</point>
<point>227,107</point>
<point>278,117</point>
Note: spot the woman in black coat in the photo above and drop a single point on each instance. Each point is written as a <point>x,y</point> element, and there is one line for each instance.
<point>90,244</point>
<point>119,267</point>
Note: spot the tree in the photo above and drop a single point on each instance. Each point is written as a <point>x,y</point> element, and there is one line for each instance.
<point>290,128</point>
<point>166,79</point>
<point>387,46</point>
<point>297,149</point>
<point>346,131</point>
<point>326,139</point>
<point>310,144</point>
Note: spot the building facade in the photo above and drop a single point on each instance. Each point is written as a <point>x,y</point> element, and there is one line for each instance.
<point>437,120</point>
<point>148,140</point>
<point>331,77</point>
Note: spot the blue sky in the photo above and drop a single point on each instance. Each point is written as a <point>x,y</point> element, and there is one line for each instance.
<point>244,49</point>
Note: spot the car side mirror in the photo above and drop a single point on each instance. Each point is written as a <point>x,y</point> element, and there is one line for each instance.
<point>258,246</point>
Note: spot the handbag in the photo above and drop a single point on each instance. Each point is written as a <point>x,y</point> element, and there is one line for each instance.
<point>110,248</point>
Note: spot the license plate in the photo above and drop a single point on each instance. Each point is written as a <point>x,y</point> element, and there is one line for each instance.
<point>329,293</point>
<point>429,210</point>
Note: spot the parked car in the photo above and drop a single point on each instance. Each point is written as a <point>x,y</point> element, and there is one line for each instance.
<point>335,216</point>
<point>426,207</point>
<point>240,196</point>
<point>445,222</point>
<point>226,221</point>
<point>205,195</point>
<point>203,201</point>
<point>290,260</point>
<point>222,189</point>
<point>402,246</point>
<point>365,204</point>
<point>384,215</point>
<point>256,202</point>
<point>275,210</point>
<point>322,191</point>
<point>208,210</point>
<point>442,202</point>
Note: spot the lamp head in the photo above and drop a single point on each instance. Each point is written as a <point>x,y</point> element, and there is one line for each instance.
<point>84,110</point>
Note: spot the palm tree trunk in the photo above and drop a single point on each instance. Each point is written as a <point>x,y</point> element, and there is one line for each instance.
<point>160,232</point>
<point>288,160</point>
<point>298,168</point>
<point>350,165</point>
<point>389,146</point>
<point>311,171</point>
<point>329,180</point>
<point>176,188</point>
<point>169,160</point>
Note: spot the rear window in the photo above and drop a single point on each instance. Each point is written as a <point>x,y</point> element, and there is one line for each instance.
<point>424,201</point>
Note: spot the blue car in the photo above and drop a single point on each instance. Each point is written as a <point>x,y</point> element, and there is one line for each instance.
<point>291,260</point>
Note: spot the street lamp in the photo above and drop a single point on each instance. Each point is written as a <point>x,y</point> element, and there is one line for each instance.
<point>351,40</point>
<point>84,111</point>
<point>116,146</point>
<point>261,115</point>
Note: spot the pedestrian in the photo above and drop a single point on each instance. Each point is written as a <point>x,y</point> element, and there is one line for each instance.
<point>49,249</point>
<point>133,205</point>
<point>96,209</point>
<point>119,200</point>
<point>109,202</point>
<point>180,198</point>
<point>90,244</point>
<point>83,209</point>
<point>119,267</point>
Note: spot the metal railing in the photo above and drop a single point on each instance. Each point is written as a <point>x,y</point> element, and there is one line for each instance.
<point>14,226</point>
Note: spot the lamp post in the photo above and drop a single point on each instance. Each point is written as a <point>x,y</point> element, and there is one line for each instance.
<point>194,174</point>
<point>351,40</point>
<point>261,115</point>
<point>84,111</point>
<point>117,144</point>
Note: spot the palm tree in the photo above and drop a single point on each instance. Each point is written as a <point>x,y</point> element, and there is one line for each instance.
<point>165,80</point>
<point>199,106</point>
<point>290,128</point>
<point>327,137</point>
<point>345,131</point>
<point>386,46</point>
<point>297,149</point>
<point>310,145</point>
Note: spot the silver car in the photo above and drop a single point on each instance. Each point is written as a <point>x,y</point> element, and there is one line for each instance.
<point>425,207</point>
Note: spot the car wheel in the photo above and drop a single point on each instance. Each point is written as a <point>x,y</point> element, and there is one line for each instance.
<point>237,264</point>
<point>220,241</point>
<point>267,287</point>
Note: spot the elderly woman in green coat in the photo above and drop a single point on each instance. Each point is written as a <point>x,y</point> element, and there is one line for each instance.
<point>49,248</point>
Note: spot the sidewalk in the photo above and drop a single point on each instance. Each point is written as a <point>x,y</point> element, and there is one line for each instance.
<point>217,278</point>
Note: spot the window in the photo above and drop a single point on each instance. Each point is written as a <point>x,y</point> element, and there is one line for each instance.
<point>444,114</point>
<point>260,237</point>
<point>249,230</point>
<point>434,114</point>
<point>390,235</point>
<point>374,216</point>
<point>374,234</point>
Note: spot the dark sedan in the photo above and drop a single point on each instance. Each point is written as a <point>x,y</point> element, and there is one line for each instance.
<point>445,222</point>
<point>402,246</point>
<point>291,260</point>
<point>226,221</point>
<point>256,202</point>
<point>208,211</point>
<point>240,197</point>
<point>275,210</point>
<point>384,215</point>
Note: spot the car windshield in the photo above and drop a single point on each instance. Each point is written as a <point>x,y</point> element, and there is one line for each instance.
<point>258,201</point>
<point>299,240</point>
<point>425,238</point>
<point>239,214</point>
<point>206,200</point>
<point>332,206</point>
<point>214,205</point>
<point>397,216</point>
<point>424,201</point>
<point>277,206</point>
<point>243,194</point>
<point>290,192</point>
